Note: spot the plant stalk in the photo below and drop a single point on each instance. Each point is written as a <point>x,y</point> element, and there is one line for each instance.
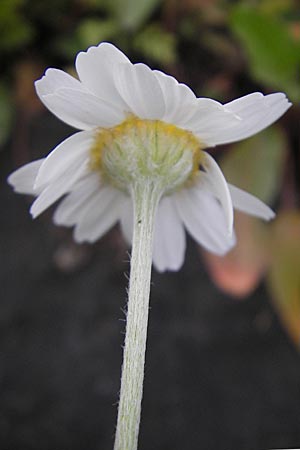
<point>145,197</point>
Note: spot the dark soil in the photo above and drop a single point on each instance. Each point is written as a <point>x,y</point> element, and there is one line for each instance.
<point>220,374</point>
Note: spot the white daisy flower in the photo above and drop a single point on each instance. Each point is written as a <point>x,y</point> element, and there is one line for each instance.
<point>133,119</point>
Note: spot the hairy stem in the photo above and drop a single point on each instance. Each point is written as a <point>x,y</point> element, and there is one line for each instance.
<point>145,198</point>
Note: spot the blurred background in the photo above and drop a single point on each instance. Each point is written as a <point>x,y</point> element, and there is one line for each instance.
<point>223,366</point>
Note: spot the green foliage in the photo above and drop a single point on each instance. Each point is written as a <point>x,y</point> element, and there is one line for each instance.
<point>15,30</point>
<point>131,14</point>
<point>273,54</point>
<point>262,156</point>
<point>120,22</point>
<point>155,43</point>
<point>89,32</point>
<point>277,7</point>
<point>92,31</point>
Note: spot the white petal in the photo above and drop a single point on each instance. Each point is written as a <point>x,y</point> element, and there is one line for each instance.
<point>219,187</point>
<point>244,105</point>
<point>169,237</point>
<point>23,179</point>
<point>82,110</point>
<point>245,202</point>
<point>71,207</point>
<point>126,219</point>
<point>141,91</point>
<point>99,214</point>
<point>208,119</point>
<point>49,84</point>
<point>95,68</point>
<point>204,219</point>
<point>68,155</point>
<point>256,112</point>
<point>56,79</point>
<point>179,99</point>
<point>58,188</point>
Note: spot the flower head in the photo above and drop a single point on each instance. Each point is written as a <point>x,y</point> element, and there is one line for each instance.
<point>137,123</point>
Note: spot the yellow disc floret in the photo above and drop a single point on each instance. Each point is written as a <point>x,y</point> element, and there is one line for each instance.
<point>139,149</point>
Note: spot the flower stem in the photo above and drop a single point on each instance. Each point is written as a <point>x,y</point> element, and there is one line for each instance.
<point>145,198</point>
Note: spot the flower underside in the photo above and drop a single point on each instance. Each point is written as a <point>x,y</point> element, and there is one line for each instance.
<point>137,150</point>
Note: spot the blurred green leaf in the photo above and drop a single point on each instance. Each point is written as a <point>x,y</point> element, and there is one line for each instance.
<point>273,54</point>
<point>257,164</point>
<point>276,7</point>
<point>284,275</point>
<point>131,14</point>
<point>6,113</point>
<point>93,31</point>
<point>157,44</point>
<point>89,32</point>
<point>15,31</point>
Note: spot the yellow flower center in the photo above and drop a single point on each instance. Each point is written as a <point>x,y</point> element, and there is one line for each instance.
<point>136,150</point>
